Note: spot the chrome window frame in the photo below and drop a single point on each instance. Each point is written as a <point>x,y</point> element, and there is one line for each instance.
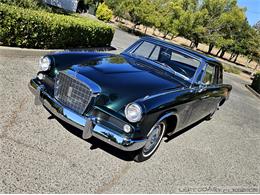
<point>192,80</point>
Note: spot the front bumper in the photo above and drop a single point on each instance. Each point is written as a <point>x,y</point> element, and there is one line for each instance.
<point>88,125</point>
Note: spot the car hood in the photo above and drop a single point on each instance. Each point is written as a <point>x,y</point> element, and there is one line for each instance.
<point>123,79</point>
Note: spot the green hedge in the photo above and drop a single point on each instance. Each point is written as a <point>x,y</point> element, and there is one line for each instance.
<point>33,4</point>
<point>39,29</point>
<point>256,82</point>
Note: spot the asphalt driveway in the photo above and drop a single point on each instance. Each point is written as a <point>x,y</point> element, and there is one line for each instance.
<point>41,155</point>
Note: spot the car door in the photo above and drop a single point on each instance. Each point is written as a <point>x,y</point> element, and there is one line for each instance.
<point>203,94</point>
<point>215,90</point>
<point>211,84</point>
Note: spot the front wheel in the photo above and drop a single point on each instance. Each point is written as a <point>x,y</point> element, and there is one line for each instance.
<point>154,139</point>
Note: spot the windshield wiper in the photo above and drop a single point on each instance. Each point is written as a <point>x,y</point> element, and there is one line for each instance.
<point>163,65</point>
<point>172,70</point>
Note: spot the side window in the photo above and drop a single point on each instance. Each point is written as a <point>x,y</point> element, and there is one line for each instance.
<point>177,57</point>
<point>210,75</point>
<point>155,54</point>
<point>144,49</point>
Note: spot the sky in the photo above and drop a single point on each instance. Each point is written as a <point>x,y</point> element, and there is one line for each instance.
<point>253,10</point>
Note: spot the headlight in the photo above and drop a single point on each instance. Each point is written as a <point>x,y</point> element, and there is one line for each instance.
<point>45,63</point>
<point>133,112</point>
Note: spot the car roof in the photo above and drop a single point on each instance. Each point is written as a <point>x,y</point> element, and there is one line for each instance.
<point>181,48</point>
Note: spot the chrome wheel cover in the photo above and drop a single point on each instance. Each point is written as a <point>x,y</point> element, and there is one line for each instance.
<point>153,139</point>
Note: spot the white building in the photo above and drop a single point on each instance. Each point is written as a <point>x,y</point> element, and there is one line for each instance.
<point>69,5</point>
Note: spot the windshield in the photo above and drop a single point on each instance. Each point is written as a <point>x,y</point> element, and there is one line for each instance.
<point>169,59</point>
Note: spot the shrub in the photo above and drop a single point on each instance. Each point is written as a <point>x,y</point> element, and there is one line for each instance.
<point>104,13</point>
<point>39,29</point>
<point>33,4</point>
<point>256,82</point>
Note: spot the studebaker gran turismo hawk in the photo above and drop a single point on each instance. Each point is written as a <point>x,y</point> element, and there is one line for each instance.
<point>131,100</point>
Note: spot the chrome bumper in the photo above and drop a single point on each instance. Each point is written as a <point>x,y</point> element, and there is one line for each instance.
<point>83,123</point>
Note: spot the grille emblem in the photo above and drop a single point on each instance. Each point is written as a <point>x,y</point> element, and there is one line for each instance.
<point>69,91</point>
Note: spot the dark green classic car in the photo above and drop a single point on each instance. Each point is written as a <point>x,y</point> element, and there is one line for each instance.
<point>131,100</point>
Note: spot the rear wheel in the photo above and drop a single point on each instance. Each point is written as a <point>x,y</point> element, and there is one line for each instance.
<point>154,139</point>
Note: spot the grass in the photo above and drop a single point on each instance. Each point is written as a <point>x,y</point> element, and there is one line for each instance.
<point>231,69</point>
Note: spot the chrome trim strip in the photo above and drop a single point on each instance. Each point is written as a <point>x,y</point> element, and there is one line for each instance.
<point>95,88</point>
<point>192,80</point>
<point>99,131</point>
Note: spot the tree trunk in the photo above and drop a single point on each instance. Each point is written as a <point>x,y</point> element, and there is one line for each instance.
<point>134,27</point>
<point>145,30</point>
<point>196,44</point>
<point>236,58</point>
<point>232,56</point>
<point>222,53</point>
<point>193,45</point>
<point>247,62</point>
<point>219,51</point>
<point>211,46</point>
<point>165,35</point>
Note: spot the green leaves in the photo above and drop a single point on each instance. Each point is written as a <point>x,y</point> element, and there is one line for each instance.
<point>104,13</point>
<point>218,23</point>
<point>31,4</point>
<point>40,29</point>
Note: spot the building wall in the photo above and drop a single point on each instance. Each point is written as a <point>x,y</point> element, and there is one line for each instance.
<point>70,5</point>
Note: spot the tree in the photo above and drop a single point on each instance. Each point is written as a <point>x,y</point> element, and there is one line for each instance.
<point>190,23</point>
<point>257,26</point>
<point>118,8</point>
<point>231,23</point>
<point>215,21</point>
<point>219,23</point>
<point>253,49</point>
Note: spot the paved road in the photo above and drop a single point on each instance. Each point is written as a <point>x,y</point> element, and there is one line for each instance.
<point>41,155</point>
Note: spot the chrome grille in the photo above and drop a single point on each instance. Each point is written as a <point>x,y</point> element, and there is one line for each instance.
<point>72,93</point>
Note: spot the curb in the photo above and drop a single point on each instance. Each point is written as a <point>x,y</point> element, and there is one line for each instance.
<point>24,52</point>
<point>253,91</point>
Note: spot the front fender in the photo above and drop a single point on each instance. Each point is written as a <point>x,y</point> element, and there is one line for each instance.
<point>64,60</point>
<point>161,106</point>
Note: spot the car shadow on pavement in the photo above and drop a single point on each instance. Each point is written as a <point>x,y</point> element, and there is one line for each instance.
<point>178,133</point>
<point>96,143</point>
<point>123,155</point>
